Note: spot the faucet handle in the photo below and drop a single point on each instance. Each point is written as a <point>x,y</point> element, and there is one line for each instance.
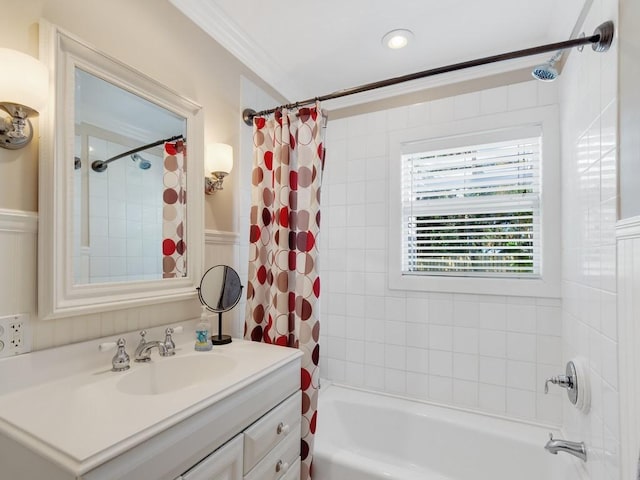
<point>564,381</point>
<point>120,360</point>
<point>169,344</point>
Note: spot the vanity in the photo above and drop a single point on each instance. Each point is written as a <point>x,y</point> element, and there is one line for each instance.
<point>231,413</point>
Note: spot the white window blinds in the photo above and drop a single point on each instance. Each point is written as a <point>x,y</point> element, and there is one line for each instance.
<point>473,210</point>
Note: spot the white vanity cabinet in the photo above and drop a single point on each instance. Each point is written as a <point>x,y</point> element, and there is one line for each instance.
<point>268,450</point>
<point>242,423</point>
<point>272,444</point>
<point>223,464</point>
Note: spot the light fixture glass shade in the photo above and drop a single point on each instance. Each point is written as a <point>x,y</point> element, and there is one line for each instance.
<point>24,80</point>
<point>219,158</point>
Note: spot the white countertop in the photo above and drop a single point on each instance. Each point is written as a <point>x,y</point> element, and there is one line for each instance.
<point>82,419</point>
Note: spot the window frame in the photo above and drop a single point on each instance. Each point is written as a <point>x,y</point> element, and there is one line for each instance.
<point>472,131</point>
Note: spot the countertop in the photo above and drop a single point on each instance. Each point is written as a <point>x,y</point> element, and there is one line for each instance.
<point>82,417</point>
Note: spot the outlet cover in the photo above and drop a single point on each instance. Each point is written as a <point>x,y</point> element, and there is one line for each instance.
<point>15,335</point>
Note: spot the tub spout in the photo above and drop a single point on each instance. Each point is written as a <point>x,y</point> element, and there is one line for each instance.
<point>577,449</point>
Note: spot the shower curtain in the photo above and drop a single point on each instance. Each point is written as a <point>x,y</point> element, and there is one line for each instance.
<point>283,285</point>
<point>174,197</point>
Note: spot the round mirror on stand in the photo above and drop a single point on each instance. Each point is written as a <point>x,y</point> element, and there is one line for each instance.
<point>219,292</point>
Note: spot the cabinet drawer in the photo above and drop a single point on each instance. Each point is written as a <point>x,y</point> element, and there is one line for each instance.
<point>278,462</point>
<point>223,464</point>
<point>294,471</point>
<point>267,432</point>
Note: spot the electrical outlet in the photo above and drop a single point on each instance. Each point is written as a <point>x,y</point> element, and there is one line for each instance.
<point>15,335</point>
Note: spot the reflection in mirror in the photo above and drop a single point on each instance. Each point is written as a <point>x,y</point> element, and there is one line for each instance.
<point>220,291</point>
<point>121,169</point>
<point>130,234</point>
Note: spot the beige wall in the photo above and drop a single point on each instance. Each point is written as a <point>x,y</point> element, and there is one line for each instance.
<point>156,39</point>
<point>153,37</point>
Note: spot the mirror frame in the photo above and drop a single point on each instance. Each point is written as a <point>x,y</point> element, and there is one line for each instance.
<point>58,296</point>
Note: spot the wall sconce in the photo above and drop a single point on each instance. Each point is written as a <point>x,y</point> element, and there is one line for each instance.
<point>24,87</point>
<point>218,163</point>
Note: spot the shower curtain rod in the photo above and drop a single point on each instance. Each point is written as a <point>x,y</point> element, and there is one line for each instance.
<point>600,40</point>
<point>101,165</point>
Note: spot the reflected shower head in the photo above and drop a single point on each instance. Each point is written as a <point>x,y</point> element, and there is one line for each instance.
<point>142,163</point>
<point>547,71</point>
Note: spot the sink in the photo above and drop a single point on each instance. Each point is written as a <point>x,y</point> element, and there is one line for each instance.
<point>166,375</point>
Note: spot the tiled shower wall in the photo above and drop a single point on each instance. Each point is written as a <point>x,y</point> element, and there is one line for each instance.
<point>588,93</point>
<point>485,352</point>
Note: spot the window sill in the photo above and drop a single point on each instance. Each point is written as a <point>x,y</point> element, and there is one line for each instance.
<point>517,287</point>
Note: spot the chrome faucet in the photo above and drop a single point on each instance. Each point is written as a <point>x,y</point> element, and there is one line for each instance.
<point>577,449</point>
<point>143,352</point>
<point>166,348</point>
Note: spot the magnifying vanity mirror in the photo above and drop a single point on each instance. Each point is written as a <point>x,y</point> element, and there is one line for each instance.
<point>220,291</point>
<point>120,213</point>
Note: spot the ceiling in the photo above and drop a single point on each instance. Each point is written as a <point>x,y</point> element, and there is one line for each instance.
<point>305,49</point>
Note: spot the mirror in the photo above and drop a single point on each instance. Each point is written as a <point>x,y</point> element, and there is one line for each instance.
<point>129,166</point>
<point>120,213</point>
<point>220,291</point>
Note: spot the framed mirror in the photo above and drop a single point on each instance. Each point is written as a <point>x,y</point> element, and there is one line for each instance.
<point>220,290</point>
<point>121,209</point>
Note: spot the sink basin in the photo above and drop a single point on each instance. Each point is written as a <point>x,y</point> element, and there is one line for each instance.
<point>171,374</point>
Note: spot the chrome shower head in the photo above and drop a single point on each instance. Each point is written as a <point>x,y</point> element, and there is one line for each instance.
<point>142,163</point>
<point>547,71</point>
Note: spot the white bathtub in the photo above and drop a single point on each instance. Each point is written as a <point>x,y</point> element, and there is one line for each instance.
<point>369,436</point>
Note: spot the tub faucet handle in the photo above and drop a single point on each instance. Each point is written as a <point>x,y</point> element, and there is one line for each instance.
<point>564,381</point>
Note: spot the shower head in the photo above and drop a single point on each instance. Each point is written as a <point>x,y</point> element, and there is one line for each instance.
<point>547,71</point>
<point>142,163</point>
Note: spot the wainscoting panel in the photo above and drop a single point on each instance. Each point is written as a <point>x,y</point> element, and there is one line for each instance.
<point>628,237</point>
<point>19,246</point>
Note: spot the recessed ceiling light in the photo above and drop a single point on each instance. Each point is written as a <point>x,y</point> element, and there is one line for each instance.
<point>398,38</point>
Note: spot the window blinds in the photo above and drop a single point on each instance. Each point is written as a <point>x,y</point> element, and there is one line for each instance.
<point>473,210</point>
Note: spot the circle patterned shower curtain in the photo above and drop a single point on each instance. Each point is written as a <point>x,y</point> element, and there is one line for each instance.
<point>283,285</point>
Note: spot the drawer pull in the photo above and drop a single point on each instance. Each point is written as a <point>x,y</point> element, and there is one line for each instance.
<point>281,467</point>
<point>282,428</point>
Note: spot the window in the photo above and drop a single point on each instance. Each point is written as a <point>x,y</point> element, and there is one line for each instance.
<point>474,205</point>
<point>472,210</point>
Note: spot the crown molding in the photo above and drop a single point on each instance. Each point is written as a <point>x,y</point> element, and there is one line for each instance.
<point>217,24</point>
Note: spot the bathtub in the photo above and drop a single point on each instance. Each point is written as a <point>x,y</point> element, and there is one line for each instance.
<point>369,436</point>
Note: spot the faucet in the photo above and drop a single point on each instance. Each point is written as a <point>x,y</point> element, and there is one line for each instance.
<point>577,449</point>
<point>143,352</point>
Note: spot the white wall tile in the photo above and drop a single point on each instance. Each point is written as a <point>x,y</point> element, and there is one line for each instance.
<point>465,340</point>
<point>492,371</point>
<point>493,100</point>
<point>465,393</point>
<point>441,389</point>
<point>492,343</point>
<point>465,366</point>
<point>440,363</point>
<point>522,95</point>
<point>521,346</point>
<point>407,338</point>
<point>441,337</point>
<point>492,398</point>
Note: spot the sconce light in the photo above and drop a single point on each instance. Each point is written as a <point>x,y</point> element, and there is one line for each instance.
<point>218,163</point>
<point>24,85</point>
